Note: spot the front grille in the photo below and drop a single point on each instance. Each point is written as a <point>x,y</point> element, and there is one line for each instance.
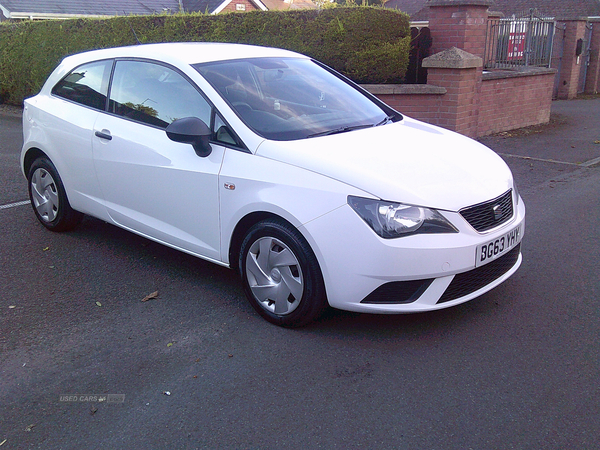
<point>397,292</point>
<point>488,215</point>
<point>467,282</point>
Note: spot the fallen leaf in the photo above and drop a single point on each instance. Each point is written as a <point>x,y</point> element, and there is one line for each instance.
<point>230,355</point>
<point>12,307</point>
<point>98,304</point>
<point>93,410</point>
<point>170,344</point>
<point>150,296</point>
<point>46,249</point>
<point>596,142</point>
<point>29,427</point>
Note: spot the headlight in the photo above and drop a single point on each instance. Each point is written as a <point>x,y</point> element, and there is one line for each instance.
<point>393,220</point>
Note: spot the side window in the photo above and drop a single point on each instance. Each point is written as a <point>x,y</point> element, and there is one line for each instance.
<point>87,84</point>
<point>154,94</point>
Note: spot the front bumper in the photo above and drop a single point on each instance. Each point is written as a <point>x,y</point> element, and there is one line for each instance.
<point>366,273</point>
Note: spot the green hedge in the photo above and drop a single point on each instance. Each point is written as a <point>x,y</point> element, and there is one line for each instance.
<point>369,45</point>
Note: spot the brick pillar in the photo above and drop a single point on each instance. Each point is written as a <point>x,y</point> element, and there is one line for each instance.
<point>570,63</point>
<point>460,73</point>
<point>459,23</point>
<point>592,81</point>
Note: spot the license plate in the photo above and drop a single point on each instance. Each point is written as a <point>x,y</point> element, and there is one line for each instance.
<point>496,248</point>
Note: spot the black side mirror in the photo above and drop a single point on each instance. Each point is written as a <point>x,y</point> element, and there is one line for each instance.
<point>191,130</point>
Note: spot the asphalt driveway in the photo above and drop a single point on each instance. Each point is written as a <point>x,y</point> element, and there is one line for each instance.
<point>85,363</point>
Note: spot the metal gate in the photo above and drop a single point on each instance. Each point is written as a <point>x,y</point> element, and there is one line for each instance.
<point>420,47</point>
<point>512,43</point>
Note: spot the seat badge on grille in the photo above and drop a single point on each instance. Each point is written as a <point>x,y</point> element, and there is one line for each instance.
<point>497,212</point>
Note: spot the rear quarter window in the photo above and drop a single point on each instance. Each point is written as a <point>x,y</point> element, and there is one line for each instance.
<point>86,84</point>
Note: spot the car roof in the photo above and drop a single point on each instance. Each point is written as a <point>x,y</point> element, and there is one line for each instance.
<point>182,52</point>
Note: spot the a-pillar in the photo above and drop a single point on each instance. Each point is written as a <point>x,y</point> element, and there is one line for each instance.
<point>460,73</point>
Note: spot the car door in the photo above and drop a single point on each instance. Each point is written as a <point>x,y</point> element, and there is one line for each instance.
<point>152,185</point>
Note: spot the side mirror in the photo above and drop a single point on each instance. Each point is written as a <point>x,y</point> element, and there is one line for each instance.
<point>191,130</point>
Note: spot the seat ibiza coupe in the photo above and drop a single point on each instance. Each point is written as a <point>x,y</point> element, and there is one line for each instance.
<point>270,163</point>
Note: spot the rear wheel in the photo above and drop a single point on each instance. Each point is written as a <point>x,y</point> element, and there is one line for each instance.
<point>48,197</point>
<point>281,275</point>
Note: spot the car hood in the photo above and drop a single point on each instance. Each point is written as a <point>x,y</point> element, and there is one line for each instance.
<point>408,161</point>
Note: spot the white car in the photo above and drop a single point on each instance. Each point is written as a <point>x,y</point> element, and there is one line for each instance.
<point>270,163</point>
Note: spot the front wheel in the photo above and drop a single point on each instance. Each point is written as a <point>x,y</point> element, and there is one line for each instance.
<point>48,197</point>
<point>281,275</point>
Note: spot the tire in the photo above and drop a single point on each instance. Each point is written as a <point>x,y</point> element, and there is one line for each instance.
<point>281,275</point>
<point>48,197</point>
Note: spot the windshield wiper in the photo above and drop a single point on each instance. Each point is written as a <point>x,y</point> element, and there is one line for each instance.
<point>340,130</point>
<point>385,121</point>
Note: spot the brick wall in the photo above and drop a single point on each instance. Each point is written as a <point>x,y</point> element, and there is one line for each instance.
<point>425,107</point>
<point>459,107</point>
<point>419,101</point>
<point>461,97</point>
<point>514,100</point>
<point>474,104</point>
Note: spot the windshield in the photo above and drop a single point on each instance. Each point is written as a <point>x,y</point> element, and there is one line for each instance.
<point>287,98</point>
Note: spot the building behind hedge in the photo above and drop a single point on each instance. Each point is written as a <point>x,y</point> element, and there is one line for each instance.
<point>68,9</point>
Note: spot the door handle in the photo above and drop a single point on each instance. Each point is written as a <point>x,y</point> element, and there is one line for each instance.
<point>104,134</point>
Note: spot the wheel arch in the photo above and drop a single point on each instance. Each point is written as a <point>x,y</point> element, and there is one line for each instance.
<point>251,219</point>
<point>31,155</point>
<point>240,230</point>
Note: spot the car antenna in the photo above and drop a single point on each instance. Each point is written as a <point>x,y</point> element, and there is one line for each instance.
<point>132,30</point>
